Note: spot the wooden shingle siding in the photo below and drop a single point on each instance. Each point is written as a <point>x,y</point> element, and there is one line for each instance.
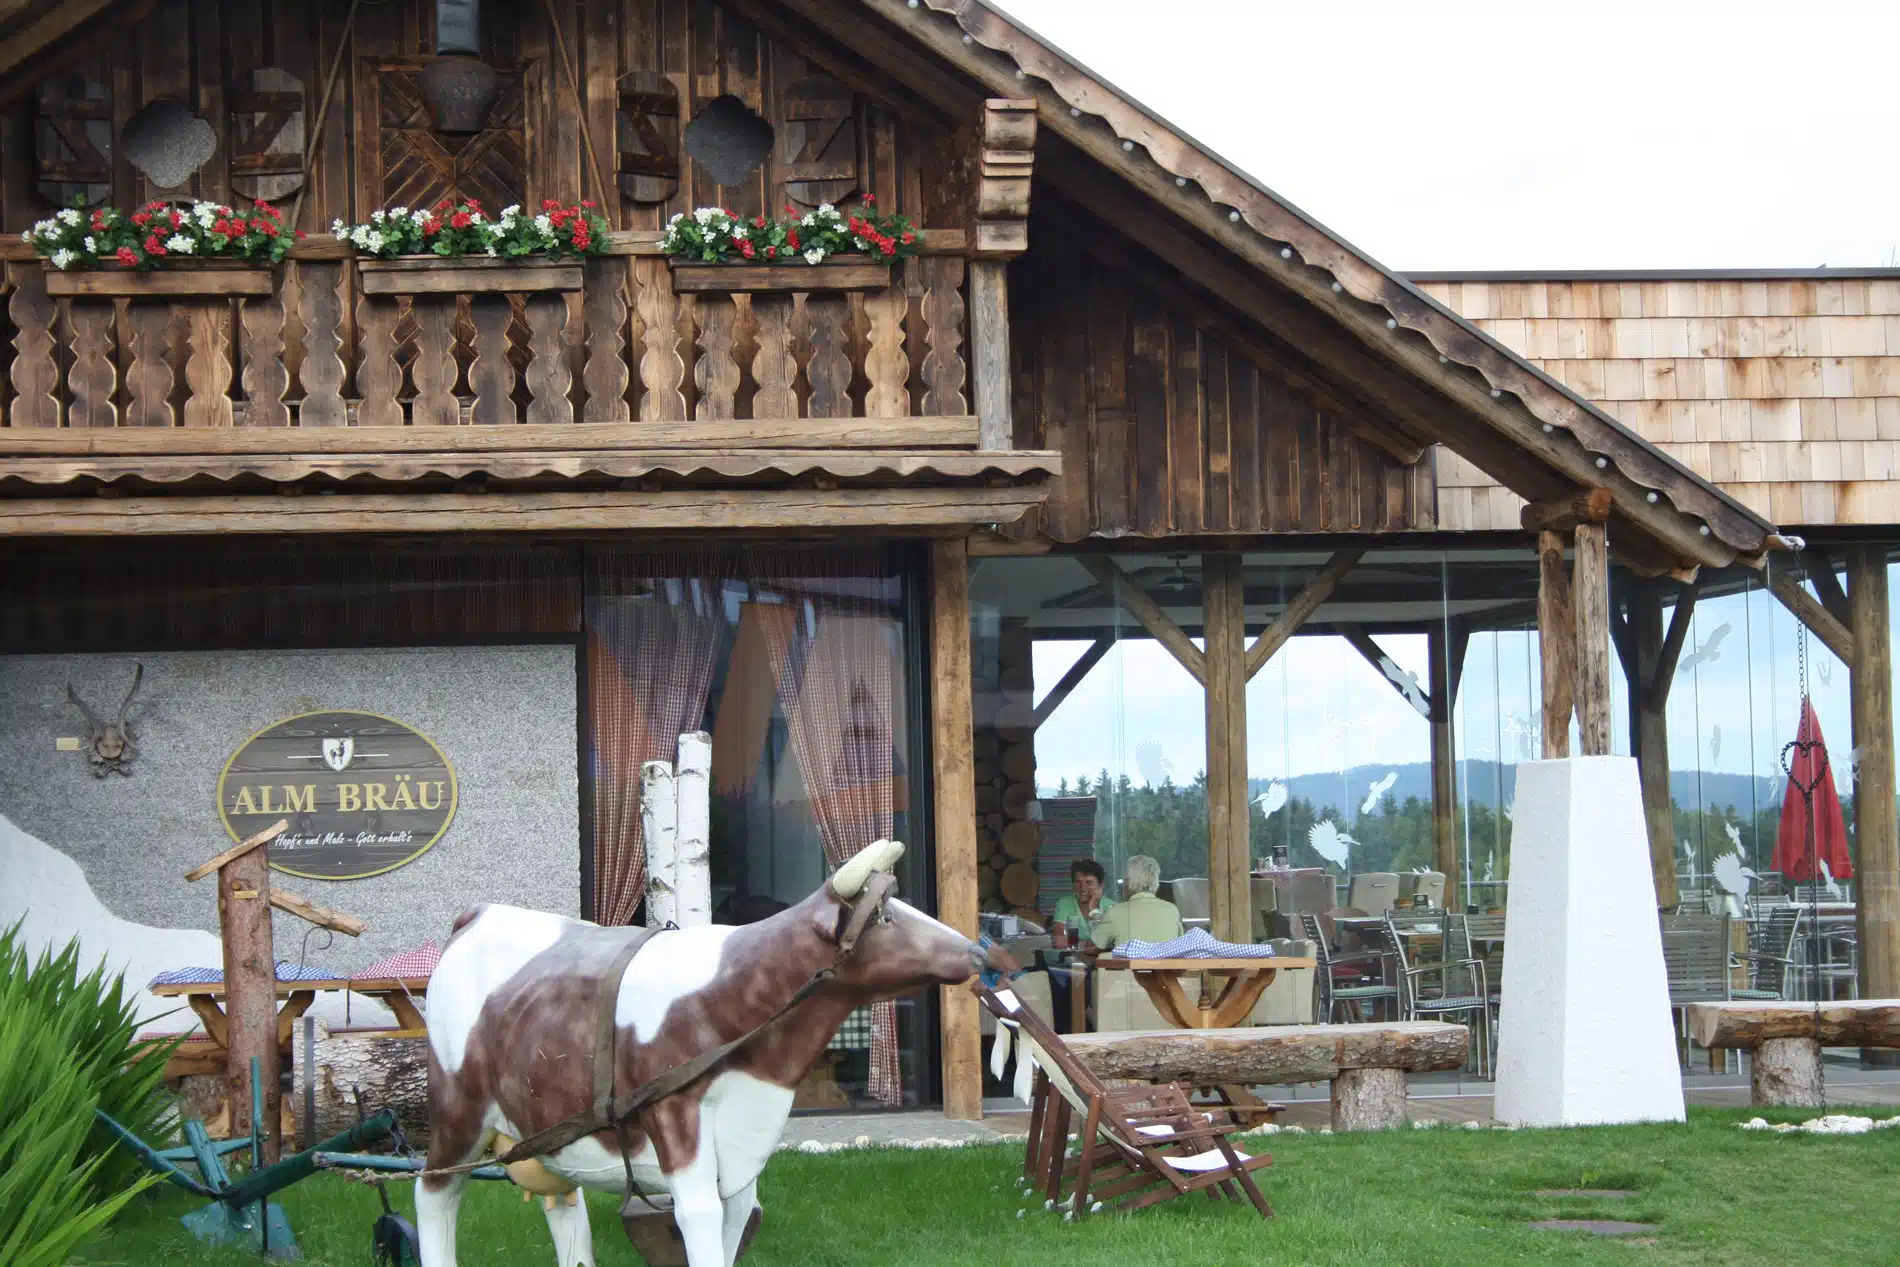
<point>1167,428</point>
<point>1783,392</point>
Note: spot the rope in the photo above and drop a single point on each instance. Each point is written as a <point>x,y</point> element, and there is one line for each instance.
<point>1807,790</point>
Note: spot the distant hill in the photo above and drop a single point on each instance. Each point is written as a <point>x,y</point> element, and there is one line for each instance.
<point>1488,781</point>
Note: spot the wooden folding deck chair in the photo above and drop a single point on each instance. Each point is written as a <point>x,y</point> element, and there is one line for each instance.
<point>1139,1144</point>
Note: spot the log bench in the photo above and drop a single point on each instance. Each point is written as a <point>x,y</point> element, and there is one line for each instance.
<point>1365,1063</point>
<point>1785,1040</point>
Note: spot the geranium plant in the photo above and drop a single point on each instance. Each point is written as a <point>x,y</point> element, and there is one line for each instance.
<point>714,235</point>
<point>159,232</point>
<point>456,229</point>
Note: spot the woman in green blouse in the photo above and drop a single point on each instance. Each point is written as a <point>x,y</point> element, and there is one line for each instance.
<point>1080,909</point>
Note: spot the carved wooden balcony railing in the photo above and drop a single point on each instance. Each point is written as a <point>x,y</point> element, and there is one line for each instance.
<point>383,373</point>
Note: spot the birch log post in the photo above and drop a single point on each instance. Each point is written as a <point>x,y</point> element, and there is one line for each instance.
<point>692,791</point>
<point>659,825</point>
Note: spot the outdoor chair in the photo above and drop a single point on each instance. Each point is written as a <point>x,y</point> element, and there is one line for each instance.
<point>1192,899</point>
<point>1770,957</point>
<point>1437,990</point>
<point>1136,1146</point>
<point>1374,892</point>
<point>1459,947</point>
<point>1696,957</point>
<point>1427,884</point>
<point>1354,980</point>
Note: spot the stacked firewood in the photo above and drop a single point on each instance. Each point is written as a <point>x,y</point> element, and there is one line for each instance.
<point>1007,839</point>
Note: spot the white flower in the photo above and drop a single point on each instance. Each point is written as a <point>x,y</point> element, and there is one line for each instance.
<point>815,255</point>
<point>513,209</point>
<point>45,228</point>
<point>738,232</point>
<point>397,213</point>
<point>63,257</point>
<point>180,243</point>
<point>92,243</point>
<point>376,217</point>
<point>360,235</point>
<point>544,224</point>
<point>71,216</point>
<point>808,221</point>
<point>825,208</point>
<point>376,240</point>
<point>677,217</point>
<point>419,216</point>
<point>339,229</point>
<point>27,235</point>
<point>491,249</point>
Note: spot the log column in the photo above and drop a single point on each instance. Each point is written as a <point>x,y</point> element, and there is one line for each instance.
<point>1877,869</point>
<point>953,784</point>
<point>1229,816</point>
<point>1556,643</point>
<point>1573,619</point>
<point>1369,1100</point>
<point>1649,667</point>
<point>250,993</point>
<point>1445,646</point>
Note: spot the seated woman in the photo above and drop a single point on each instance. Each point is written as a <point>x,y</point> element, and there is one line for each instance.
<point>1080,908</point>
<point>1141,914</point>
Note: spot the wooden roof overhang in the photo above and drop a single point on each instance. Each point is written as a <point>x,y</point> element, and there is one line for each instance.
<point>1360,331</point>
<point>37,37</point>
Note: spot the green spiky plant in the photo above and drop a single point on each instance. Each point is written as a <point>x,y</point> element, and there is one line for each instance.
<point>67,1047</point>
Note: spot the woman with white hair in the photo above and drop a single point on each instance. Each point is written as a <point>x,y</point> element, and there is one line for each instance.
<point>1141,915</point>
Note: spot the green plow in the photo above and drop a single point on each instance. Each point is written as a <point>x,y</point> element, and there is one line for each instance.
<point>240,1214</point>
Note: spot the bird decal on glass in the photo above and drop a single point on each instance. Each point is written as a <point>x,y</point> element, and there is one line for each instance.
<point>1407,684</point>
<point>1330,843</point>
<point>1710,651</point>
<point>1272,799</point>
<point>1378,789</point>
<point>1731,876</point>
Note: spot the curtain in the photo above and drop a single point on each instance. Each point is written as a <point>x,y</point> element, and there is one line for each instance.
<point>831,660</point>
<point>653,633</point>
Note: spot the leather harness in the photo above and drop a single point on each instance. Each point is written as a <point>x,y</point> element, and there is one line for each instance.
<point>611,1112</point>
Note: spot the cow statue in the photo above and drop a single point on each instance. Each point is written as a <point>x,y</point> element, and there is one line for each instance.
<point>517,1011</point>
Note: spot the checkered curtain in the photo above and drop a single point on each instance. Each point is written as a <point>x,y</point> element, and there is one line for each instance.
<point>654,624</point>
<point>832,666</point>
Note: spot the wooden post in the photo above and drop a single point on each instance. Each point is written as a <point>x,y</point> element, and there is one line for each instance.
<point>250,992</point>
<point>1556,643</point>
<point>659,828</point>
<point>989,354</point>
<point>1877,869</point>
<point>1590,606</point>
<point>1445,648</point>
<point>1229,817</point>
<point>954,783</point>
<point>692,862</point>
<point>1649,736</point>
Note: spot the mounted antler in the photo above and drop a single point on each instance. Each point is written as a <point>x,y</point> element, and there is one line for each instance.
<point>109,745</point>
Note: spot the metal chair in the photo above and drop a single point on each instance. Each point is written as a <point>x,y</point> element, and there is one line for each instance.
<point>1770,957</point>
<point>1696,957</point>
<point>1374,892</point>
<point>1462,936</point>
<point>1459,990</point>
<point>1364,974</point>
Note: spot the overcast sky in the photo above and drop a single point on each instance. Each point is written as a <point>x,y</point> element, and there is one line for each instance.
<point>1464,134</point>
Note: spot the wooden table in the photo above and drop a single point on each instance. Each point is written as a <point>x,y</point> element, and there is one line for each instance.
<point>1247,980</point>
<point>398,994</point>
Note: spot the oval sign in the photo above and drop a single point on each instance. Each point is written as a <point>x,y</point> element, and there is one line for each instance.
<point>364,793</point>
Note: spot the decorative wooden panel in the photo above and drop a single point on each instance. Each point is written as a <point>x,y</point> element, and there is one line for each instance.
<point>648,124</point>
<point>819,143</point>
<point>416,166</point>
<point>72,139</point>
<point>267,133</point>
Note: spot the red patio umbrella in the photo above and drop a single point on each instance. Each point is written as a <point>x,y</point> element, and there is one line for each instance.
<point>1806,770</point>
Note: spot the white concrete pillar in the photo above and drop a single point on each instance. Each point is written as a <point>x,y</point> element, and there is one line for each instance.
<point>1583,1034</point>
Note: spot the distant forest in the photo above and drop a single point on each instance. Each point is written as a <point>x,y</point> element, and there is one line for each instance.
<point>1168,821</point>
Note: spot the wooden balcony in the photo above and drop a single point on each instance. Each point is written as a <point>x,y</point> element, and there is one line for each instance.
<point>605,394</point>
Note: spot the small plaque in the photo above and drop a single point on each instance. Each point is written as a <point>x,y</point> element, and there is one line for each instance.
<point>66,743</point>
<point>364,793</point>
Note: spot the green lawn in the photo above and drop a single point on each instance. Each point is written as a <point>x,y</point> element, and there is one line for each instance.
<point>1719,1195</point>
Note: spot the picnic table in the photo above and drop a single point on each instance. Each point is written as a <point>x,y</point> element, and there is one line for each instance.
<point>398,994</point>
<point>1247,980</point>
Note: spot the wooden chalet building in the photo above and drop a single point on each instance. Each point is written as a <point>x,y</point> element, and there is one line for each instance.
<point>1124,392</point>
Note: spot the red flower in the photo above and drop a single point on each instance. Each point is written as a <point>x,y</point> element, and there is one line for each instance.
<point>141,219</point>
<point>557,218</point>
<point>887,246</point>
<point>909,238</point>
<point>444,205</point>
<point>789,211</point>
<point>223,226</point>
<point>771,252</point>
<point>548,204</point>
<point>745,249</point>
<point>869,199</point>
<point>128,258</point>
<point>268,230</point>
<point>298,232</point>
<point>460,220</point>
<point>791,237</point>
<point>153,246</point>
<point>758,222</point>
<point>588,203</point>
<point>177,219</point>
<point>474,204</point>
<point>266,209</point>
<point>431,226</point>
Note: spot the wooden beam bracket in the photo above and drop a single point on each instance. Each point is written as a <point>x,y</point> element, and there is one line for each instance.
<point>1070,680</point>
<point>238,850</point>
<point>1408,687</point>
<point>1311,596</point>
<point>1809,611</point>
<point>1592,506</point>
<point>1159,624</point>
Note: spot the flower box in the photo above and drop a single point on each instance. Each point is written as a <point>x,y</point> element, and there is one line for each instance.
<point>201,279</point>
<point>840,272</point>
<point>479,275</point>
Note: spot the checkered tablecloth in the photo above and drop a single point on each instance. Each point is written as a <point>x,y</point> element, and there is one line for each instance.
<point>420,962</point>
<point>286,971</point>
<point>854,1034</point>
<point>1196,943</point>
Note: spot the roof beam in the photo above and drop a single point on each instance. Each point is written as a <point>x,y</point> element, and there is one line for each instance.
<point>1808,610</point>
<point>1159,624</point>
<point>1322,287</point>
<point>1301,609</point>
<point>59,21</point>
<point>1070,680</point>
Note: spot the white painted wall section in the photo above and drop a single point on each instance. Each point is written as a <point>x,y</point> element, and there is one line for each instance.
<point>1584,1030</point>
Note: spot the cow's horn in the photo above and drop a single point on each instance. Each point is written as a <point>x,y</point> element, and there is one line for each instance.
<point>849,879</point>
